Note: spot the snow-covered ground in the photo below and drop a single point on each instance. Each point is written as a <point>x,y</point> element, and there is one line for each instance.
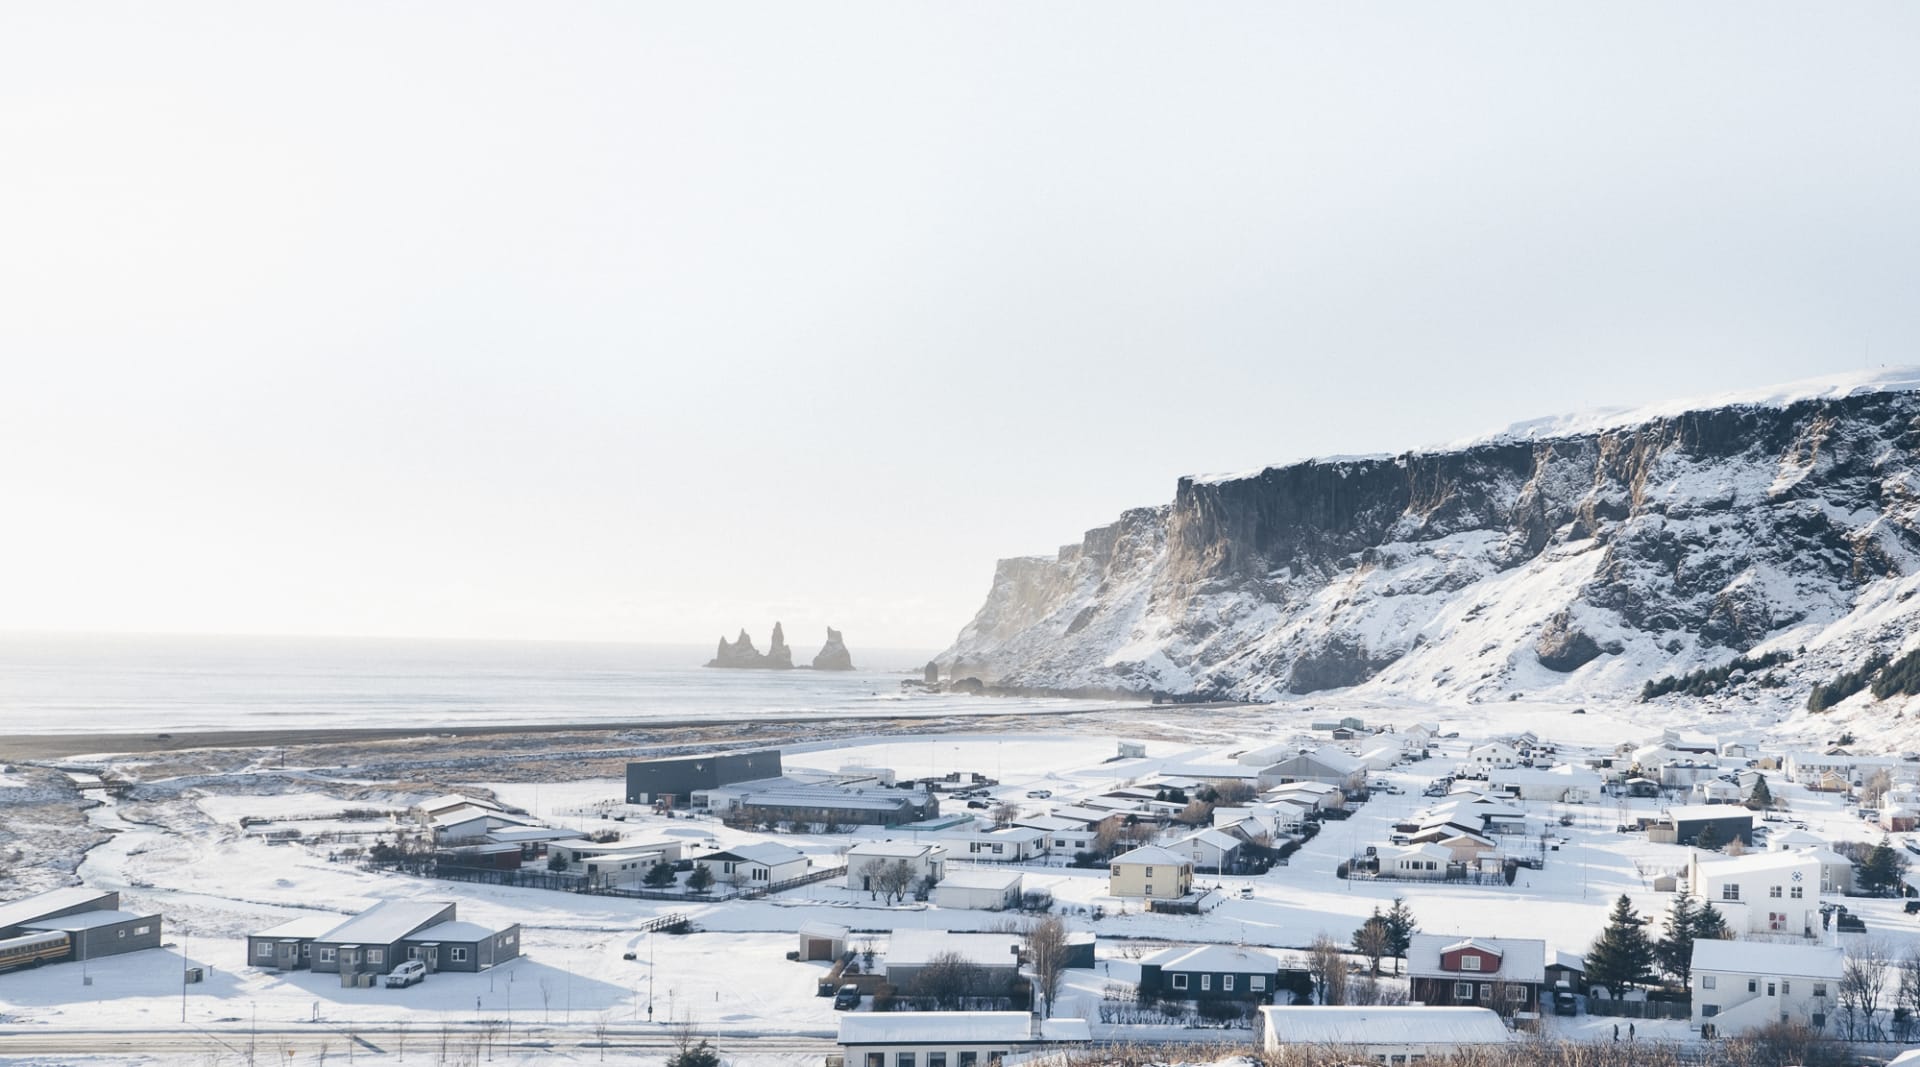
<point>183,851</point>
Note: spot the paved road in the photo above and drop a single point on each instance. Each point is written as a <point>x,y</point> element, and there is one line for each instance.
<point>228,1044</point>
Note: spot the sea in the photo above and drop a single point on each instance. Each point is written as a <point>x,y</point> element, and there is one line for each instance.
<point>62,683</point>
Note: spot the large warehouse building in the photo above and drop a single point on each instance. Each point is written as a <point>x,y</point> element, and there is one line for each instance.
<point>90,919</point>
<point>676,778</point>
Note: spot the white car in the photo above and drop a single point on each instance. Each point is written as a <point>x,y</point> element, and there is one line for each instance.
<point>1039,794</point>
<point>407,974</point>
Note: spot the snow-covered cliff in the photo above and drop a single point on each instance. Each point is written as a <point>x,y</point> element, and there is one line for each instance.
<point>1576,558</point>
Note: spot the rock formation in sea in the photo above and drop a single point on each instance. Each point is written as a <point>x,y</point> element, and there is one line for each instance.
<point>741,655</point>
<point>833,655</point>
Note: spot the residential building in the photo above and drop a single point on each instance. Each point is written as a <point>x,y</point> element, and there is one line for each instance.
<point>1150,871</point>
<point>951,1038</point>
<point>761,864</point>
<point>1396,1034</point>
<point>379,939</point>
<point>927,861</point>
<point>1504,974</point>
<point>1211,850</point>
<point>911,951</point>
<point>1006,844</point>
<point>978,888</point>
<point>1061,837</point>
<point>1210,972</point>
<point>1743,985</point>
<point>1761,893</point>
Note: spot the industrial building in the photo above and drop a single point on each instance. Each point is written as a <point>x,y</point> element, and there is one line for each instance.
<point>673,781</point>
<point>72,924</point>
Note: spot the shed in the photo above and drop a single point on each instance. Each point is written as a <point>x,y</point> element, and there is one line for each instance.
<point>980,889</point>
<point>822,941</point>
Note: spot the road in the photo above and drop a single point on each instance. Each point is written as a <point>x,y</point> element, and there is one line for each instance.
<point>389,1044</point>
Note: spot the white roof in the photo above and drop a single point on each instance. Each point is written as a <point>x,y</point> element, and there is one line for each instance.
<point>1521,959</point>
<point>1154,854</point>
<point>1708,811</point>
<point>453,930</point>
<point>27,909</point>
<point>980,878</point>
<point>87,920</point>
<point>455,800</point>
<point>1215,838</point>
<point>306,927</point>
<point>1753,863</point>
<point>896,849</point>
<point>1335,1026</point>
<point>771,853</point>
<point>1766,957</point>
<point>816,928</point>
<point>915,948</point>
<point>1219,959</point>
<point>955,1027</point>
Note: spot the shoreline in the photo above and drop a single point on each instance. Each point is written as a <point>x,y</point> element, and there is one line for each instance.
<point>49,747</point>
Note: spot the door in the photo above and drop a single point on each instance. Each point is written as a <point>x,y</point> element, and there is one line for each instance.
<point>433,959</point>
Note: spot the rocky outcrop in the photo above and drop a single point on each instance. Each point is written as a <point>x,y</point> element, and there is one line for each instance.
<point>833,656</point>
<point>741,655</point>
<point>1579,560</point>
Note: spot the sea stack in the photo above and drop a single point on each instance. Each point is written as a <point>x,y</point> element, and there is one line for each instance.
<point>833,655</point>
<point>741,655</point>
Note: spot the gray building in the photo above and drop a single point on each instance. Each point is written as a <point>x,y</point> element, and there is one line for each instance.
<point>90,919</point>
<point>678,777</point>
<point>381,938</point>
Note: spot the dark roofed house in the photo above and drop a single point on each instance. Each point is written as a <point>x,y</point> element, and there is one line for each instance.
<point>1501,973</point>
<point>382,937</point>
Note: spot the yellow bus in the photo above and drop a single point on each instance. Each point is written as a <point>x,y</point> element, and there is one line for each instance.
<point>32,950</point>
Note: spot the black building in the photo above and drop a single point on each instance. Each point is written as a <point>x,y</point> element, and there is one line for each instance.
<point>678,777</point>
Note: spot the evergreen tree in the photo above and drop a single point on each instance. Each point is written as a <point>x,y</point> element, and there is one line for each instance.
<point>1710,925</point>
<point>1762,797</point>
<point>1883,870</point>
<point>1622,956</point>
<point>1400,930</point>
<point>1708,838</point>
<point>1372,939</point>
<point>700,879</point>
<point>659,875</point>
<point>1675,949</point>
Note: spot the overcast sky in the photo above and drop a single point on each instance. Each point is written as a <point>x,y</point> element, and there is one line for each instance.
<point>647,322</point>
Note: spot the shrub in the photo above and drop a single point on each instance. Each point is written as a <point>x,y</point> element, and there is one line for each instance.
<point>1711,679</point>
<point>1845,685</point>
<point>1902,678</point>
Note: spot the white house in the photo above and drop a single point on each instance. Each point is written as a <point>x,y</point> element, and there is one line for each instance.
<point>1212,850</point>
<point>1061,837</point>
<point>1008,844</point>
<point>1742,985</point>
<point>761,864</point>
<point>927,861</point>
<point>1762,892</point>
<point>1807,767</point>
<point>978,888</point>
<point>1381,754</point>
<point>1326,765</point>
<point>951,1038</point>
<point>1423,862</point>
<point>1383,1034</point>
<point>1562,784</point>
<point>1715,791</point>
<point>1484,758</point>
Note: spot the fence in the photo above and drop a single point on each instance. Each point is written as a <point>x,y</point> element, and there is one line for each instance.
<point>564,883</point>
<point>1640,1009</point>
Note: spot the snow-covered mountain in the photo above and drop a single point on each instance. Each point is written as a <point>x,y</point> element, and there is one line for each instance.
<point>1572,558</point>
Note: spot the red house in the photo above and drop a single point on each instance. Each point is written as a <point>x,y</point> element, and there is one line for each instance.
<point>1505,974</point>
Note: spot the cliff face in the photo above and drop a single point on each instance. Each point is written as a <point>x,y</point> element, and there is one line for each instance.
<point>1574,561</point>
<point>741,655</point>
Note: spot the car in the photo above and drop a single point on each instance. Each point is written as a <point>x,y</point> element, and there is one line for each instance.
<point>408,973</point>
<point>1913,907</point>
<point>1246,893</point>
<point>1849,923</point>
<point>981,804</point>
<point>847,999</point>
<point>1039,794</point>
<point>1579,711</point>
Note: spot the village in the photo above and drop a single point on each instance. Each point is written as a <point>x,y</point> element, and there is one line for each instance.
<point>1396,890</point>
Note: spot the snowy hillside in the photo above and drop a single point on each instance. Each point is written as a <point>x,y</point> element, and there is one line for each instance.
<point>1573,558</point>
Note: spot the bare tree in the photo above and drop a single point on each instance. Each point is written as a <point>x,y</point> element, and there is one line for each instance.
<point>1863,978</point>
<point>948,981</point>
<point>1046,949</point>
<point>891,880</point>
<point>1907,995</point>
<point>1005,813</point>
<point>601,1024</point>
<point>1327,967</point>
<point>546,1000</point>
<point>1875,789</point>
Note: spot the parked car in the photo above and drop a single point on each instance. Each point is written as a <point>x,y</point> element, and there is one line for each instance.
<point>1913,907</point>
<point>1246,893</point>
<point>981,804</point>
<point>407,974</point>
<point>1849,923</point>
<point>847,999</point>
<point>1039,794</point>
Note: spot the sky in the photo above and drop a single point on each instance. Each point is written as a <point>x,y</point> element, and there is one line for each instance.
<point>647,322</point>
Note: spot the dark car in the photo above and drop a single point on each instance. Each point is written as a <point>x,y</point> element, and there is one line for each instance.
<point>981,804</point>
<point>1913,907</point>
<point>847,999</point>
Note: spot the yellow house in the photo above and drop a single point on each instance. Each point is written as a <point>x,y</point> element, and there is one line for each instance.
<point>1151,871</point>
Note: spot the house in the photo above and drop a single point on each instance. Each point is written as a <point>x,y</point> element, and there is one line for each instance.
<point>1762,893</point>
<point>1211,850</point>
<point>1381,754</point>
<point>91,920</point>
<point>1060,837</point>
<point>1898,820</point>
<point>1210,972</point>
<point>673,781</point>
<point>1317,795</point>
<point>1816,769</point>
<point>1150,871</point>
<point>1415,739</point>
<point>1006,844</point>
<point>1326,765</point>
<point>377,940</point>
<point>1383,1034</point>
<point>1684,825</point>
<point>1505,974</point>
<point>1743,985</point>
<point>951,1038</point>
<point>1427,862</point>
<point>1130,750</point>
<point>1562,784</point>
<point>928,862</point>
<point>1716,791</point>
<point>822,940</point>
<point>1491,756</point>
<point>996,955</point>
<point>978,888</point>
<point>1566,971</point>
<point>762,864</point>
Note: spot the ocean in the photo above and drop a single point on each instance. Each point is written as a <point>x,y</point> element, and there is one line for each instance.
<point>135,683</point>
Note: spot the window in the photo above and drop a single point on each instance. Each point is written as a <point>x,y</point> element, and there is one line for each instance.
<point>265,951</point>
<point>1179,981</point>
<point>936,1059</point>
<point>1710,1010</point>
<point>1795,893</point>
<point>1773,891</point>
<point>1819,989</point>
<point>1753,985</point>
<point>139,931</point>
<point>1149,872</point>
<point>968,1059</point>
<point>1149,888</point>
<point>904,1059</point>
<point>413,952</point>
<point>1486,990</point>
<point>1116,870</point>
<point>326,955</point>
<point>1463,990</point>
<point>376,955</point>
<point>876,1059</point>
<point>122,932</point>
<point>460,954</point>
<point>1708,981</point>
<point>1819,1019</point>
<point>1770,991</point>
<point>1469,962</point>
<point>306,951</point>
<point>1226,983</point>
<point>1257,983</point>
<point>1730,891</point>
<point>1786,988</point>
<point>1206,982</point>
